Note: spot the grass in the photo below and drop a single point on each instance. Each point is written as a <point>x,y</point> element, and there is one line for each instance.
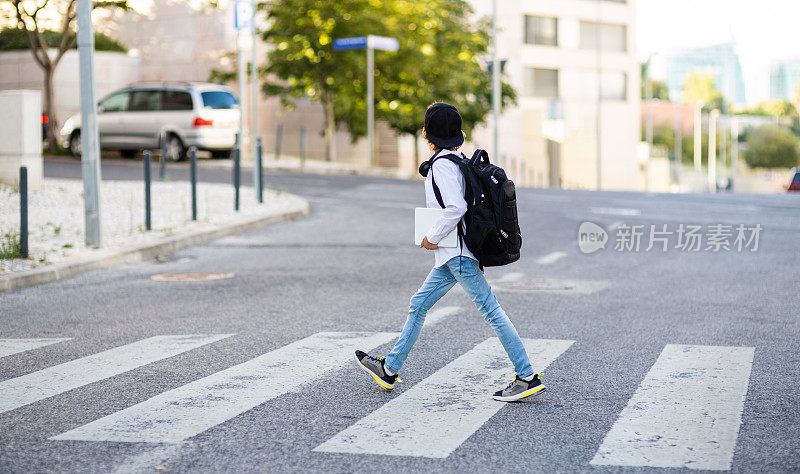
<point>9,246</point>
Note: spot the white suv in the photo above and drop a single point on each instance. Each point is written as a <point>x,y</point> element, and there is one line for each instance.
<point>187,114</point>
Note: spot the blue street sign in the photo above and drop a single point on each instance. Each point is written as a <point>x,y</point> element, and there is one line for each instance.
<point>243,14</point>
<point>381,43</point>
<point>354,42</point>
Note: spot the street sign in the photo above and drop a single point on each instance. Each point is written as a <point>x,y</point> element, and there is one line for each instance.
<point>381,43</point>
<point>243,14</point>
<point>354,42</point>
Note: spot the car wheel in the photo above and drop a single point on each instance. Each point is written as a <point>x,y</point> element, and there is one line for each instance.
<point>75,144</point>
<point>128,153</point>
<point>175,149</point>
<point>221,154</point>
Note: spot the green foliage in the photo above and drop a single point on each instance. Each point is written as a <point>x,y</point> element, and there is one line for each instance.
<point>771,146</point>
<point>437,60</point>
<point>12,39</point>
<point>9,246</point>
<point>700,88</point>
<point>659,88</point>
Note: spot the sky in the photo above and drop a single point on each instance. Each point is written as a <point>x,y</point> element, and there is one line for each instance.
<point>763,30</point>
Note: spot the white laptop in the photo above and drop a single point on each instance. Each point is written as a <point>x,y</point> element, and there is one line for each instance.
<point>424,218</point>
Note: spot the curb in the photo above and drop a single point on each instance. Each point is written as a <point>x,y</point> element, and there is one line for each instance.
<point>40,276</point>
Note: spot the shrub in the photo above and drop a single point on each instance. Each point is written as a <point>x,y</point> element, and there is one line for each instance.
<point>771,146</point>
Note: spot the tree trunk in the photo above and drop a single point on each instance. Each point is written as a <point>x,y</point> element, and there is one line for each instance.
<point>330,127</point>
<point>49,110</point>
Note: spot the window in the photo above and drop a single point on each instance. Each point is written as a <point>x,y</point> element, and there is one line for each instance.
<point>614,86</point>
<point>219,100</point>
<point>115,103</point>
<point>145,101</point>
<point>177,100</point>
<point>540,83</point>
<point>612,37</point>
<point>541,30</point>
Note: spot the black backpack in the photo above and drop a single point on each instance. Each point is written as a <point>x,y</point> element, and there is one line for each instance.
<point>491,225</point>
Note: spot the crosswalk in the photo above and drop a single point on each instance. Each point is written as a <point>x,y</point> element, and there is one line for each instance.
<point>685,413</point>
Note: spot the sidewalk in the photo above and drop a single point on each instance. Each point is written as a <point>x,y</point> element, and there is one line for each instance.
<point>56,224</point>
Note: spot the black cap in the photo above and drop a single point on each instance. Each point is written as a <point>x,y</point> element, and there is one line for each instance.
<point>443,125</point>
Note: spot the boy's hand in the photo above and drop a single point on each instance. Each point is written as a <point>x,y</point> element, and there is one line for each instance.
<point>428,245</point>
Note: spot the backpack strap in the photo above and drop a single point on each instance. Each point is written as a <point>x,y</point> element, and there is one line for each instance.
<point>436,190</point>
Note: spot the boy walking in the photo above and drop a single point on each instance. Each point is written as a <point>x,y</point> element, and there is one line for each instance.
<point>452,265</point>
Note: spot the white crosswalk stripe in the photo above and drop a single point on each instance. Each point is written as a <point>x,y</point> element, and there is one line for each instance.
<point>435,416</point>
<point>438,314</point>
<point>15,346</point>
<point>185,411</point>
<point>686,413</point>
<point>550,258</point>
<point>36,386</point>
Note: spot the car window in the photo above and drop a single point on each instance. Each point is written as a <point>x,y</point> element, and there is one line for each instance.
<point>116,102</point>
<point>145,101</point>
<point>219,100</point>
<point>177,100</point>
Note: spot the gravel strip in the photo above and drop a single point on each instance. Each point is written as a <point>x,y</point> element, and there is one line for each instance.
<point>56,219</point>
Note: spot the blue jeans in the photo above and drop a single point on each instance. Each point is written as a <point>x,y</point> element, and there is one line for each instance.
<point>436,285</point>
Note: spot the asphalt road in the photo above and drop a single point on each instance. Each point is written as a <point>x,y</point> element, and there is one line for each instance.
<point>349,267</point>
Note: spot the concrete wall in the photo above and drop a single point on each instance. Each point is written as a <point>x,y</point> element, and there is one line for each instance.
<point>21,136</point>
<point>18,70</point>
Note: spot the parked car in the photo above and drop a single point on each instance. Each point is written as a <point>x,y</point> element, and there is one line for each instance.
<point>794,185</point>
<point>139,117</point>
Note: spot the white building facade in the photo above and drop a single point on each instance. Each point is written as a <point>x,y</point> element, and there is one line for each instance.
<point>564,119</point>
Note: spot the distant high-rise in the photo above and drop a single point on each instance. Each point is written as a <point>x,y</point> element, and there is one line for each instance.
<point>784,79</point>
<point>720,61</point>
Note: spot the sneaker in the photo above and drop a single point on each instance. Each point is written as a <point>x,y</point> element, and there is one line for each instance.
<point>374,367</point>
<point>519,389</point>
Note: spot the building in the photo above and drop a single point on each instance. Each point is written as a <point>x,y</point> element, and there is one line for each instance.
<point>784,79</point>
<point>578,86</point>
<point>720,61</point>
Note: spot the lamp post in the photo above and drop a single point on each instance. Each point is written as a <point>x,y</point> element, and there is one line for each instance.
<point>90,146</point>
<point>495,86</point>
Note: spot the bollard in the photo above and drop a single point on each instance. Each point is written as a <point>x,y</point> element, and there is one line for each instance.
<point>278,139</point>
<point>303,146</point>
<point>162,163</point>
<point>193,177</point>
<point>259,172</point>
<point>236,172</point>
<point>147,158</point>
<point>23,212</point>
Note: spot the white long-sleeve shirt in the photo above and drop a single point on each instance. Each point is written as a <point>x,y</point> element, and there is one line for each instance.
<point>450,182</point>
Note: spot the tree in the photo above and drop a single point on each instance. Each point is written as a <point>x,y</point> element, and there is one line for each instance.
<point>659,89</point>
<point>771,146</point>
<point>438,60</point>
<point>303,62</point>
<point>33,17</point>
<point>700,88</point>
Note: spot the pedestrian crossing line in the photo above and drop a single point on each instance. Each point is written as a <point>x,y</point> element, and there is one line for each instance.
<point>186,411</point>
<point>435,416</point>
<point>45,383</point>
<point>686,413</point>
<point>437,315</point>
<point>15,346</point>
<point>551,258</point>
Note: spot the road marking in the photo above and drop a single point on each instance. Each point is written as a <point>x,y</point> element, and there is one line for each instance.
<point>551,258</point>
<point>615,211</point>
<point>15,346</point>
<point>511,277</point>
<point>183,412</point>
<point>438,314</point>
<point>30,388</point>
<point>435,416</point>
<point>686,412</point>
